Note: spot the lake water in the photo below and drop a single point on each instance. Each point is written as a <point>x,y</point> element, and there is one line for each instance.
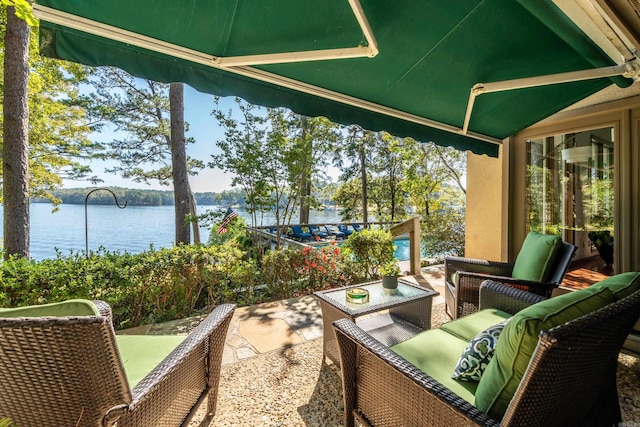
<point>132,229</point>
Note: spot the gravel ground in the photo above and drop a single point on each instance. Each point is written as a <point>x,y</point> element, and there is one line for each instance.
<point>292,387</point>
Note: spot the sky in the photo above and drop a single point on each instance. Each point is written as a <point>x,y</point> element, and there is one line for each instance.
<point>202,127</point>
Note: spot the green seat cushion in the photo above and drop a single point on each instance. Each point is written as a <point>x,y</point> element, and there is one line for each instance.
<point>75,307</point>
<point>435,352</point>
<point>518,341</point>
<point>471,325</point>
<point>141,353</point>
<point>535,257</point>
<point>620,285</point>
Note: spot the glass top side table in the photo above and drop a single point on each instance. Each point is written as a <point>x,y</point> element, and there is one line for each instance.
<point>407,312</point>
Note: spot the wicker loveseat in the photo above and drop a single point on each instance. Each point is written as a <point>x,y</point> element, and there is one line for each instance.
<point>63,365</point>
<point>559,375</point>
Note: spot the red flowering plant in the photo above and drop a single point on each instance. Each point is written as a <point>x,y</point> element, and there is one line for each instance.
<point>294,272</point>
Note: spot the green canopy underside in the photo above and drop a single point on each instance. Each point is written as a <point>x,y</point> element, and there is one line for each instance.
<point>430,55</point>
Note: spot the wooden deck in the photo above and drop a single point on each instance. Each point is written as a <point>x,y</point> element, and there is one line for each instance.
<point>585,272</point>
<point>581,278</point>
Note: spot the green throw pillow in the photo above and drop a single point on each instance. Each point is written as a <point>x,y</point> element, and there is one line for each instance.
<point>535,256</point>
<point>75,307</point>
<point>519,339</point>
<point>620,285</point>
<point>478,353</point>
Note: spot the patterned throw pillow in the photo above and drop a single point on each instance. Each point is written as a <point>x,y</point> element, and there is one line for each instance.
<point>478,353</point>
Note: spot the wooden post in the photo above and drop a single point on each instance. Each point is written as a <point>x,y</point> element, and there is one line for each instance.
<point>411,226</point>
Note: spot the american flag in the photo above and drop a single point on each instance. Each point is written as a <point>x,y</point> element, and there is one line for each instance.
<point>222,228</point>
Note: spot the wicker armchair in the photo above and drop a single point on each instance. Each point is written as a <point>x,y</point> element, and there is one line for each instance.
<point>67,371</point>
<point>571,378</point>
<point>463,277</point>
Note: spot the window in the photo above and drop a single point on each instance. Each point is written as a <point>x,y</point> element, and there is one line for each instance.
<point>570,183</point>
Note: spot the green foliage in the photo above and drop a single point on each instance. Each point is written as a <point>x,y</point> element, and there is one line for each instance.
<point>141,197</point>
<point>348,196</point>
<point>236,229</point>
<point>294,272</point>
<point>275,157</point>
<point>443,232</point>
<point>243,153</point>
<point>390,269</point>
<point>386,194</point>
<point>354,157</point>
<point>153,286</point>
<point>23,11</point>
<point>370,250</point>
<point>139,109</point>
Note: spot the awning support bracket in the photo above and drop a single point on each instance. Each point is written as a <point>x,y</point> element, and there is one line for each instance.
<point>629,69</point>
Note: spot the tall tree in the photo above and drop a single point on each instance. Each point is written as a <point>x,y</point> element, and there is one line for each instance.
<point>243,152</point>
<point>312,139</point>
<point>151,116</point>
<point>434,184</point>
<point>15,149</point>
<point>57,142</point>
<point>181,189</point>
<point>290,150</point>
<point>389,168</point>
<point>353,157</point>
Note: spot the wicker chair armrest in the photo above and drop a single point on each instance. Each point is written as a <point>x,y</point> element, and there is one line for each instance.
<point>163,384</point>
<point>442,404</point>
<point>458,264</point>
<point>104,309</point>
<point>467,279</point>
<point>506,298</point>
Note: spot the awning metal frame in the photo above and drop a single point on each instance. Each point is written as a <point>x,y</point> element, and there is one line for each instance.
<point>629,69</point>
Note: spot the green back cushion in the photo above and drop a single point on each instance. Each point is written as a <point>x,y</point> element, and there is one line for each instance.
<point>535,256</point>
<point>76,307</point>
<point>141,353</point>
<point>436,353</point>
<point>518,341</point>
<point>620,285</point>
<point>469,326</point>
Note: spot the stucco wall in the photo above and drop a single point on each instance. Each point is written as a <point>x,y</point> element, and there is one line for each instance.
<point>486,216</point>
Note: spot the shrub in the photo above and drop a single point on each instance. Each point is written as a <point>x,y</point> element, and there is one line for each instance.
<point>232,277</point>
<point>294,272</point>
<point>156,285</point>
<point>370,249</point>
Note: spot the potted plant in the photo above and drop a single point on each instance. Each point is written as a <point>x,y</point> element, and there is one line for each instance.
<point>390,272</point>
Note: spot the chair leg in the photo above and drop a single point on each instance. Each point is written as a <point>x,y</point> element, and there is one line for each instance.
<point>447,311</point>
<point>450,301</point>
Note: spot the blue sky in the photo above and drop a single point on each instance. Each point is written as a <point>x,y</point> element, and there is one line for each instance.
<point>202,127</point>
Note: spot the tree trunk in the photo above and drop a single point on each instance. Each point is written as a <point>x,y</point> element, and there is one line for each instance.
<point>363,174</point>
<point>15,150</point>
<point>181,190</point>
<point>305,180</point>
<point>392,187</point>
<point>194,215</point>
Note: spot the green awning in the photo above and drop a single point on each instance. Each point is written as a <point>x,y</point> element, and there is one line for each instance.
<point>431,53</point>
